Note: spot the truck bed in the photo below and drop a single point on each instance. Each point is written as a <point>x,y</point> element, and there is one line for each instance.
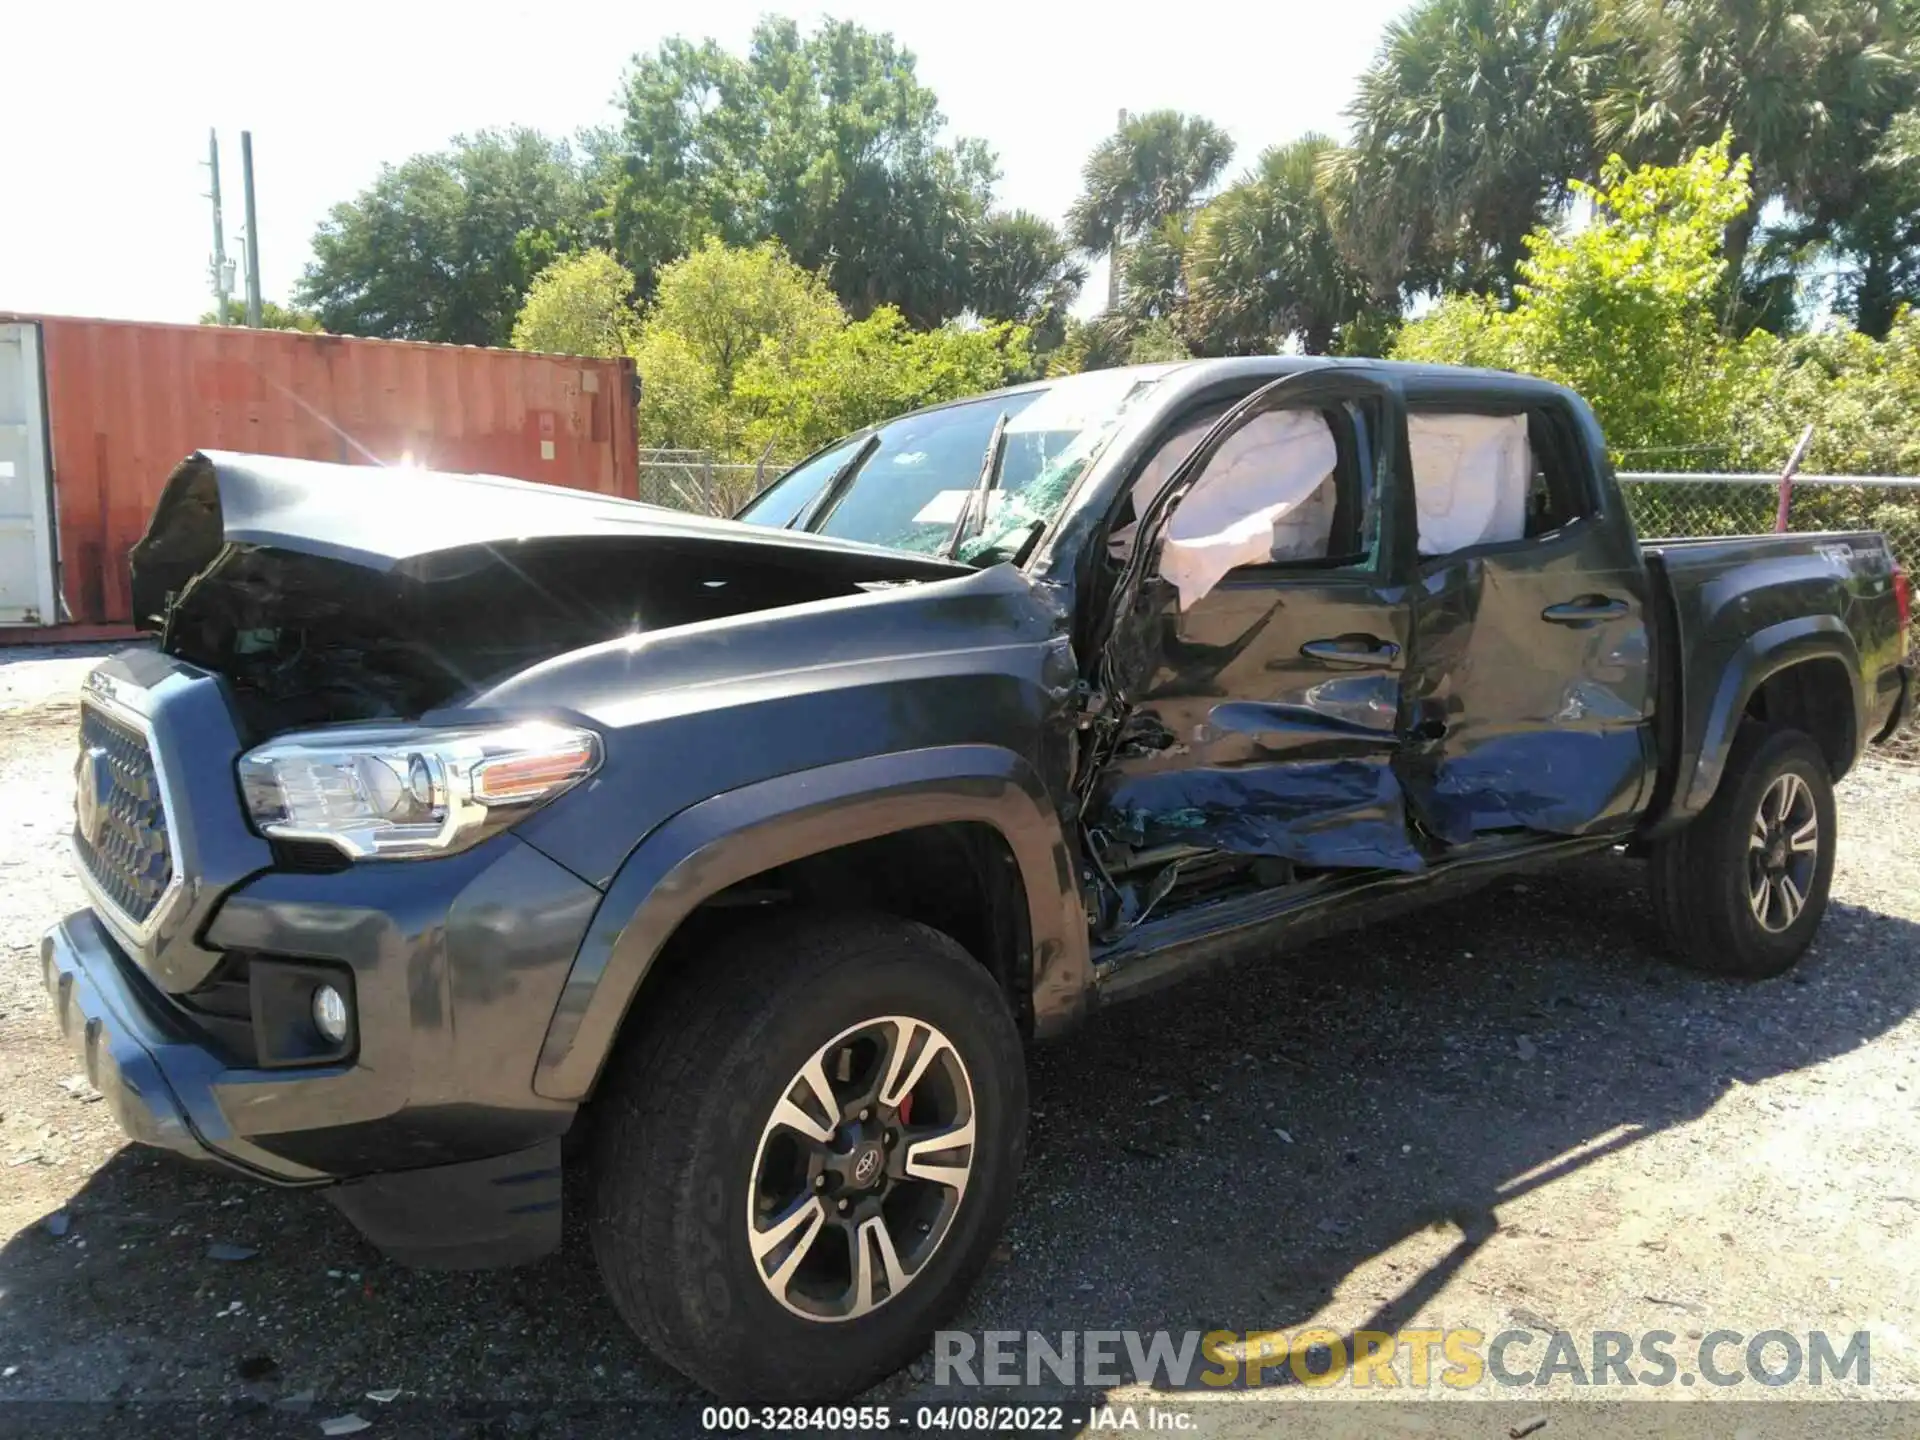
<point>1725,602</point>
<point>1742,547</point>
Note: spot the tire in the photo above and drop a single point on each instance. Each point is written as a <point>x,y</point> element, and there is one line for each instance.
<point>688,1154</point>
<point>1705,878</point>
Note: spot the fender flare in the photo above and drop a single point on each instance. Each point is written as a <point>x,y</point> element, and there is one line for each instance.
<point>1764,654</point>
<point>727,838</point>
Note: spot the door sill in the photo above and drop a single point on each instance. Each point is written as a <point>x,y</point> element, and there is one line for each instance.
<point>1160,951</point>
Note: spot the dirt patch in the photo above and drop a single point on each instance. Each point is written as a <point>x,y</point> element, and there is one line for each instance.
<point>1904,743</point>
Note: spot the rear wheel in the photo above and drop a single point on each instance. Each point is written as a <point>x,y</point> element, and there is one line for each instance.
<point>1741,890</point>
<point>801,1164</point>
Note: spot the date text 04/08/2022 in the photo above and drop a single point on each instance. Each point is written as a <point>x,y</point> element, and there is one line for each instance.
<point>1039,1419</point>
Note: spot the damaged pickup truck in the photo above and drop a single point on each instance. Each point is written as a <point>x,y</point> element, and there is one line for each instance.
<point>452,813</point>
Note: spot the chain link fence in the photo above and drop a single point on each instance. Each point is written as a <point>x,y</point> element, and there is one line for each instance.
<point>1686,504</point>
<point>694,480</point>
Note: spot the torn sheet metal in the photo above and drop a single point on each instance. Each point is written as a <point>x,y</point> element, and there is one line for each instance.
<point>1470,479</point>
<point>1516,723</point>
<point>1551,780</point>
<point>1326,813</point>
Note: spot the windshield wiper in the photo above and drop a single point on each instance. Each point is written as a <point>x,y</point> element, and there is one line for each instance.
<point>835,489</point>
<point>979,497</point>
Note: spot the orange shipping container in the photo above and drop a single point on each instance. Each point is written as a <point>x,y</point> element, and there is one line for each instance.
<point>124,402</point>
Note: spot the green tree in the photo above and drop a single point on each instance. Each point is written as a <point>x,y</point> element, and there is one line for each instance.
<point>1153,298</point>
<point>1807,89</point>
<point>1860,394</point>
<point>1621,309</point>
<point>826,142</point>
<point>1465,129</point>
<point>867,371</point>
<point>443,246</point>
<point>1262,265</point>
<point>1019,268</point>
<point>682,156</point>
<point>1153,272</point>
<point>1109,340</point>
<point>683,405</point>
<point>1873,249</point>
<point>1154,342</point>
<point>581,304</point>
<point>1154,168</point>
<point>713,312</point>
<point>732,302</point>
<point>272,317</point>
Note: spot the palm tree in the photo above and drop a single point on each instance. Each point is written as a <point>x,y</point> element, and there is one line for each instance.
<point>1872,253</point>
<point>1806,88</point>
<point>1151,169</point>
<point>1153,283</point>
<point>1467,128</point>
<point>1262,265</point>
<point>1019,268</point>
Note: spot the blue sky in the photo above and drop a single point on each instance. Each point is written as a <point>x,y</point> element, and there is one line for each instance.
<point>101,193</point>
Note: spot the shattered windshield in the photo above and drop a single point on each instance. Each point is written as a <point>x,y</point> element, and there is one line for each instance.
<point>904,484</point>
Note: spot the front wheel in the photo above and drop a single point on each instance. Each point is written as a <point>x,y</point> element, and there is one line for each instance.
<point>1741,890</point>
<point>805,1157</point>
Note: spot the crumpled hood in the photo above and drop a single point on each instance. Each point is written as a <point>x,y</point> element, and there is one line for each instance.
<point>385,519</point>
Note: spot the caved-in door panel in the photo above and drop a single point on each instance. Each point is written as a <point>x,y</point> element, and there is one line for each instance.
<point>1520,721</point>
<point>1268,724</point>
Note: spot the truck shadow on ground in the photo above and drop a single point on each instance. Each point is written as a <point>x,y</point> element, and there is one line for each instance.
<point>1223,1155</point>
<point>1245,1144</point>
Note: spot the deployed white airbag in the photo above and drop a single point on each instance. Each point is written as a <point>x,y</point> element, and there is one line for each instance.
<point>1267,495</point>
<point>1470,479</point>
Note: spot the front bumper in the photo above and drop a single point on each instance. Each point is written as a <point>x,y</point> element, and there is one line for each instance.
<point>157,1079</point>
<point>164,1087</point>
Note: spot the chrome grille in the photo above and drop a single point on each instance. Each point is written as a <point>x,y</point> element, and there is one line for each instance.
<point>120,829</point>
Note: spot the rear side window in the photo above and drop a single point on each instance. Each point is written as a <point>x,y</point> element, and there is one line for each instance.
<point>1561,490</point>
<point>1470,479</point>
<point>1491,479</point>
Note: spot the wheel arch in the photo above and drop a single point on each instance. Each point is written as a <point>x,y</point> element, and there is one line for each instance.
<point>1804,673</point>
<point>711,847</point>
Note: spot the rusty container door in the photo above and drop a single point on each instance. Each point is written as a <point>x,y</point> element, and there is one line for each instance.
<point>27,587</point>
<point>127,401</point>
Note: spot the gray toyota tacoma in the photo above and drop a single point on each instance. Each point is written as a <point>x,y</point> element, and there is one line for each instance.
<point>451,814</point>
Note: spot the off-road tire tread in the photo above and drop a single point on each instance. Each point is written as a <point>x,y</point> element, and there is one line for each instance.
<point>724,999</point>
<point>1684,868</point>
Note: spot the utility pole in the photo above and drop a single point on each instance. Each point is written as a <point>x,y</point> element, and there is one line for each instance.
<point>222,271</point>
<point>253,230</point>
<point>1113,254</point>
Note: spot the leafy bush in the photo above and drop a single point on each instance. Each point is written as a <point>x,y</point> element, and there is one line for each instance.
<point>579,305</point>
<point>853,376</point>
<point>743,352</point>
<point>1623,310</point>
<point>1861,394</point>
<point>1620,309</point>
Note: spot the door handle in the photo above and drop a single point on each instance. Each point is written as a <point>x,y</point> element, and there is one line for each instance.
<point>1585,611</point>
<point>1352,650</point>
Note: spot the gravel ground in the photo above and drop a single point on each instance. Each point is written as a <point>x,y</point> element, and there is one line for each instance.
<point>1504,1113</point>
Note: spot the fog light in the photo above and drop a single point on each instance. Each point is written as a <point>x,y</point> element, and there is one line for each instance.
<point>330,1014</point>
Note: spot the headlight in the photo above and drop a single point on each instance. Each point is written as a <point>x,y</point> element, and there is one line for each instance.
<point>400,793</point>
